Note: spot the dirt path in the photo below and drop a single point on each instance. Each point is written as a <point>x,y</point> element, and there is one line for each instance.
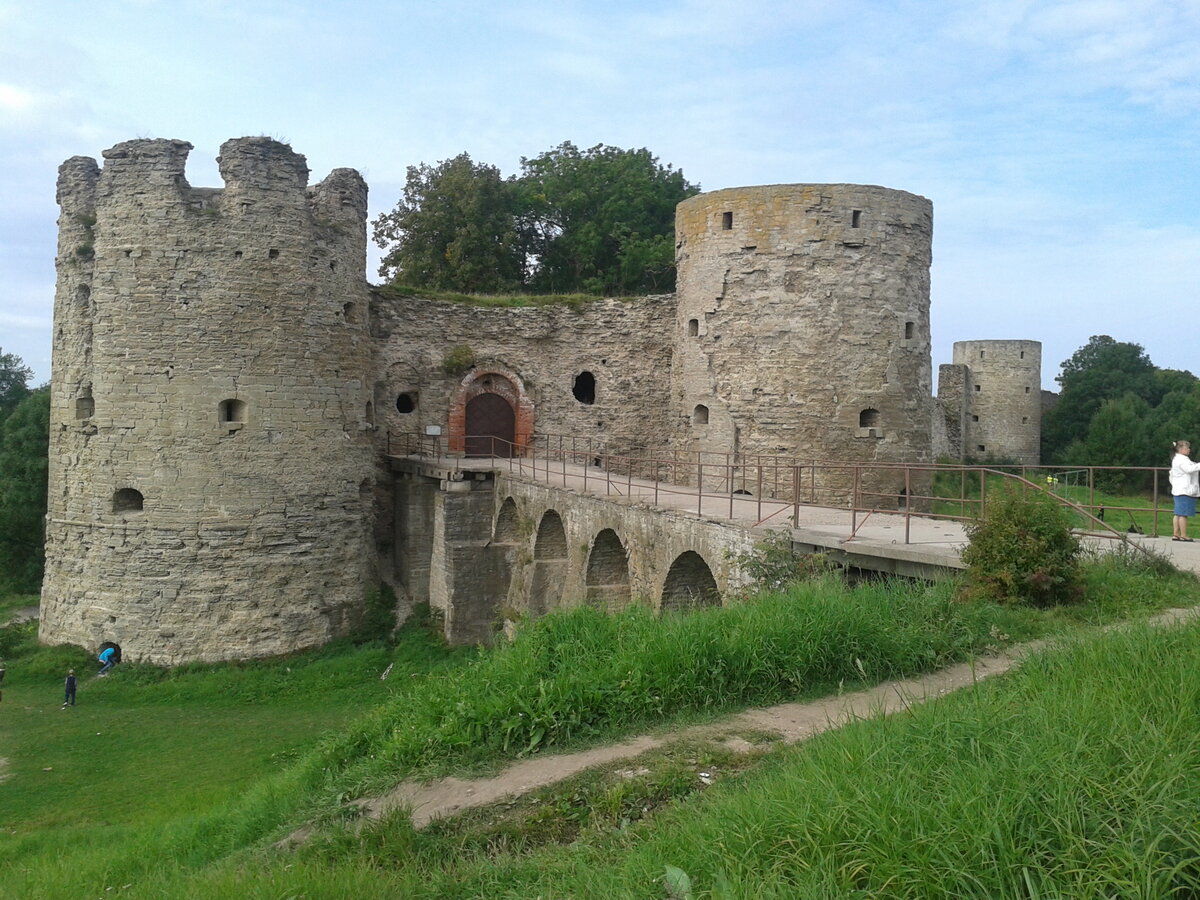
<point>4,773</point>
<point>792,722</point>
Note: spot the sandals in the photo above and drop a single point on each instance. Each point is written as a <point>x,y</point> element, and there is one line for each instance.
<point>1185,540</point>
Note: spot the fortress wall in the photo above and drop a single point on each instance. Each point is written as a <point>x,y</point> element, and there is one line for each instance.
<point>624,344</point>
<point>803,323</point>
<point>211,355</point>
<point>1004,391</point>
<point>953,403</point>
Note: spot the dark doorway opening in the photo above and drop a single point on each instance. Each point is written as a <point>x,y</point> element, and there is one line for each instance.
<point>491,426</point>
<point>585,388</point>
<point>115,647</point>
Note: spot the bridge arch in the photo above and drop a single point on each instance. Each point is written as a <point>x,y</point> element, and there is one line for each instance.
<point>689,584</point>
<point>607,580</point>
<point>508,523</point>
<point>549,563</point>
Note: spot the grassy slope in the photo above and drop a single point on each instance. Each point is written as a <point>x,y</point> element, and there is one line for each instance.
<point>1076,776</point>
<point>229,734</point>
<point>147,751</point>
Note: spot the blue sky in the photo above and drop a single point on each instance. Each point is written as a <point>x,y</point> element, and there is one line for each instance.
<point>1057,139</point>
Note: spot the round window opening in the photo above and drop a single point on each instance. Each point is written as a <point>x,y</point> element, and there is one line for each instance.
<point>406,403</point>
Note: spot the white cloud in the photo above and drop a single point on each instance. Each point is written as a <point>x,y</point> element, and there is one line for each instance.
<point>15,100</point>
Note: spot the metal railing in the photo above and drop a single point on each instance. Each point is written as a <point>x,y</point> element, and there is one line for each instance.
<point>766,489</point>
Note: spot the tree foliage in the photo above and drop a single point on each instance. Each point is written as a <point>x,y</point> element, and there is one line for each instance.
<point>601,221</point>
<point>1118,409</point>
<point>454,229</point>
<point>14,382</point>
<point>24,442</point>
<point>597,221</point>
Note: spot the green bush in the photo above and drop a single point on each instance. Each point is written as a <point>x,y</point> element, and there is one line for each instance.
<point>1023,551</point>
<point>458,360</point>
<point>379,616</point>
<point>772,564</point>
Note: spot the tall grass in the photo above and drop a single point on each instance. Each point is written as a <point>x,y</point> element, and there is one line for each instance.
<point>1077,775</point>
<point>573,676</point>
<point>582,674</point>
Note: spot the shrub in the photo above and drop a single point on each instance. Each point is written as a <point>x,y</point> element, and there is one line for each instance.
<point>1023,551</point>
<point>458,360</point>
<point>772,564</point>
<point>379,616</point>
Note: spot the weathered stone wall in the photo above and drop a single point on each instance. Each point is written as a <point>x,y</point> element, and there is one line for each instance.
<point>211,458</point>
<point>803,323</point>
<point>625,345</point>
<point>653,541</point>
<point>952,402</point>
<point>225,386</point>
<point>489,549</point>
<point>1004,391</point>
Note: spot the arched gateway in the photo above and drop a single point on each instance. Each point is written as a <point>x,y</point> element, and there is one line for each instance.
<point>490,415</point>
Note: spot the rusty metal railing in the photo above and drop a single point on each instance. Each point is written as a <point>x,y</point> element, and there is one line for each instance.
<point>770,486</point>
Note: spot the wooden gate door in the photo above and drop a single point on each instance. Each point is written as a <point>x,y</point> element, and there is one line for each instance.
<point>490,416</point>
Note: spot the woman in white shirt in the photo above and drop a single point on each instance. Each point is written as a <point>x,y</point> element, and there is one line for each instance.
<point>1185,485</point>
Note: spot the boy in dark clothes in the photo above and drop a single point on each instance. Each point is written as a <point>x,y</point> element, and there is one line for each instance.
<point>69,690</point>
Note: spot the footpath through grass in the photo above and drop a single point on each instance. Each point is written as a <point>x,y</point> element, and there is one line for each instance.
<point>205,829</point>
<point>1077,775</point>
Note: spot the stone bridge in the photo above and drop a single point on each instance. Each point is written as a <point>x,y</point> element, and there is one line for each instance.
<point>487,541</point>
<point>487,547</point>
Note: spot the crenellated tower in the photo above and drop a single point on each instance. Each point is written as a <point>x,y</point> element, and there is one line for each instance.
<point>211,456</point>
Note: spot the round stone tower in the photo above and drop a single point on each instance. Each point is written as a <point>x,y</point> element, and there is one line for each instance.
<point>803,323</point>
<point>1002,416</point>
<point>211,453</point>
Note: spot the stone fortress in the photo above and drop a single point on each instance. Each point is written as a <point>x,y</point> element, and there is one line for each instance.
<point>225,382</point>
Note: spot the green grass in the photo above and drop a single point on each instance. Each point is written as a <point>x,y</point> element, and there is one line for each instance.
<point>197,770</point>
<point>573,301</point>
<point>1121,510</point>
<point>1076,776</point>
<point>148,754</point>
<point>582,675</point>
<point>14,602</point>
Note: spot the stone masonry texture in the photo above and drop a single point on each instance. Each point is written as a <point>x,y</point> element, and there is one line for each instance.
<point>227,389</point>
<point>210,453</point>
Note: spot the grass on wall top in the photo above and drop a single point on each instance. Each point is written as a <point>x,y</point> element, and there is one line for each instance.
<point>573,301</point>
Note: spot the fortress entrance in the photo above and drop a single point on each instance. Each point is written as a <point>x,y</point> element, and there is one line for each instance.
<point>490,414</point>
<point>491,427</point>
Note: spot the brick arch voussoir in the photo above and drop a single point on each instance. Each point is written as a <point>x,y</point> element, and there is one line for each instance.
<point>505,383</point>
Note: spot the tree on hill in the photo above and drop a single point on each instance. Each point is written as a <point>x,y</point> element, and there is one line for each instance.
<point>24,442</point>
<point>601,220</point>
<point>1119,434</point>
<point>14,382</point>
<point>1118,409</point>
<point>1103,369</point>
<point>598,221</point>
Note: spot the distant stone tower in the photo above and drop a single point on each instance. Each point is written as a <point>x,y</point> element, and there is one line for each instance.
<point>992,397</point>
<point>803,323</point>
<point>211,450</point>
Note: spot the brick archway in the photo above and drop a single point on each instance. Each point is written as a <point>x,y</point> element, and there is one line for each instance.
<point>490,380</point>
